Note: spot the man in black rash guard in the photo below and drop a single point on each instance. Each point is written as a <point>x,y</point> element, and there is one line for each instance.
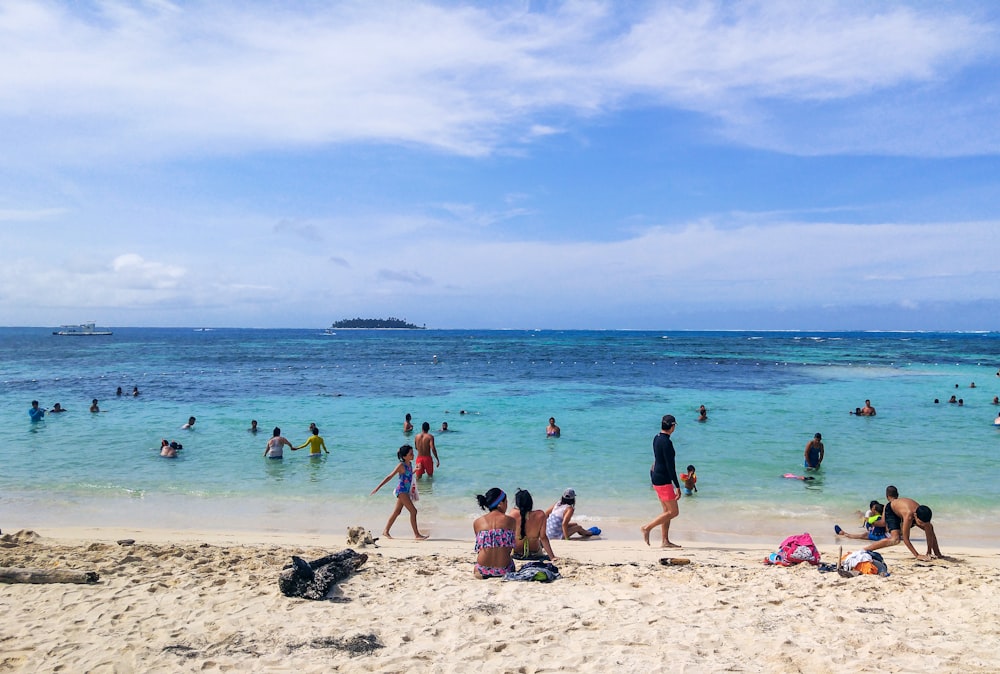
<point>665,481</point>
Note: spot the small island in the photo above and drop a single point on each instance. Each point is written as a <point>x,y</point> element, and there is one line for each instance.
<point>375,324</point>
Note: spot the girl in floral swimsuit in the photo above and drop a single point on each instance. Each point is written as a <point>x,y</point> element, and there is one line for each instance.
<point>494,536</point>
<point>403,490</point>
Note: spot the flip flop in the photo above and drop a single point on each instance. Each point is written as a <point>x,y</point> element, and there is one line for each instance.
<point>837,529</point>
<point>674,561</point>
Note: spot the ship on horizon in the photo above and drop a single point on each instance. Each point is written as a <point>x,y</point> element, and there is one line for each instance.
<point>82,330</point>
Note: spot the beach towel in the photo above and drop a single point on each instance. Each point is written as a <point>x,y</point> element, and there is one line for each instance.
<point>543,572</point>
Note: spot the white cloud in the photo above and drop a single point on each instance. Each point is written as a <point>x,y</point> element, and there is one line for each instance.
<point>755,265</point>
<point>131,271</point>
<point>698,266</point>
<point>302,230</point>
<point>408,277</point>
<point>117,79</point>
<point>30,215</point>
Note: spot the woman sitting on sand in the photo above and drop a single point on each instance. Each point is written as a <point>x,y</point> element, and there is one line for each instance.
<point>530,539</point>
<point>560,524</point>
<point>494,536</point>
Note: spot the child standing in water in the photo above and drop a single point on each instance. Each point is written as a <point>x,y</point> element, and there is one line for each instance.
<point>690,481</point>
<point>403,491</point>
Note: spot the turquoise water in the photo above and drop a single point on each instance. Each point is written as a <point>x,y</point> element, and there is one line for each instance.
<point>767,393</point>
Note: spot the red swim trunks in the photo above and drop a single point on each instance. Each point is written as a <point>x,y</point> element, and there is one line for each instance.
<point>425,464</point>
<point>667,492</point>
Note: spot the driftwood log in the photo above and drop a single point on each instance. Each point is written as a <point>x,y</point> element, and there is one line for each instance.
<point>11,574</point>
<point>313,580</point>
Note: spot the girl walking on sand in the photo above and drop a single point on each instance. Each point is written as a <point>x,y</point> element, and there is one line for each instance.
<point>403,491</point>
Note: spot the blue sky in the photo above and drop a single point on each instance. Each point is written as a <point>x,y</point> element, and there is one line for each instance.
<point>671,165</point>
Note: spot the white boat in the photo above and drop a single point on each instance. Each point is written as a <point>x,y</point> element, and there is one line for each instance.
<point>82,330</point>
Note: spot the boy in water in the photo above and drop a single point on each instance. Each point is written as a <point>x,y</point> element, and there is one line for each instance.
<point>690,481</point>
<point>36,413</point>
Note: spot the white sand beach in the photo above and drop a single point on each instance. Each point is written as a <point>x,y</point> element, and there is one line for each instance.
<point>188,601</point>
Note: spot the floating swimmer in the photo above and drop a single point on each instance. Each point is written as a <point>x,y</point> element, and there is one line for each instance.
<point>793,476</point>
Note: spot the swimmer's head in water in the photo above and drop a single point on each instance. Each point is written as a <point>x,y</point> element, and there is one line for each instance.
<point>923,513</point>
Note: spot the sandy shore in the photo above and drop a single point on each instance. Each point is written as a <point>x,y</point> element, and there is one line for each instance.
<point>181,601</point>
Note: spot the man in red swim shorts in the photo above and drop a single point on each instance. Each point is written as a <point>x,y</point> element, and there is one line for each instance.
<point>424,443</point>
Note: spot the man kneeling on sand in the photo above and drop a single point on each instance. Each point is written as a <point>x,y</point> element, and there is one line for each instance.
<point>900,515</point>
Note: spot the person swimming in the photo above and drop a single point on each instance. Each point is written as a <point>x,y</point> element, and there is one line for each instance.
<point>552,431</point>
<point>36,413</point>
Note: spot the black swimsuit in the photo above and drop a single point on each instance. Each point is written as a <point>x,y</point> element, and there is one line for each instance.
<point>892,521</point>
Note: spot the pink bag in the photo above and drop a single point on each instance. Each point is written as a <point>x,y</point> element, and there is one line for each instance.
<point>801,548</point>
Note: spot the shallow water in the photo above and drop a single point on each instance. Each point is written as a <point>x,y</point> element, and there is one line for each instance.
<point>767,393</point>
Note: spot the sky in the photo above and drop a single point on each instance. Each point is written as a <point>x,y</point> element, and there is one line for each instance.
<point>564,165</point>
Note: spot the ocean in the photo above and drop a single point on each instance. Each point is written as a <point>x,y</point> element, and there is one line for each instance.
<point>767,393</point>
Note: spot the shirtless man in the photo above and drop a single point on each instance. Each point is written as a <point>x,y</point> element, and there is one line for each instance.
<point>868,410</point>
<point>900,515</point>
<point>408,424</point>
<point>424,443</point>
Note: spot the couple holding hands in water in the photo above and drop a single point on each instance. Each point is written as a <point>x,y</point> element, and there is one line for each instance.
<point>524,533</point>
